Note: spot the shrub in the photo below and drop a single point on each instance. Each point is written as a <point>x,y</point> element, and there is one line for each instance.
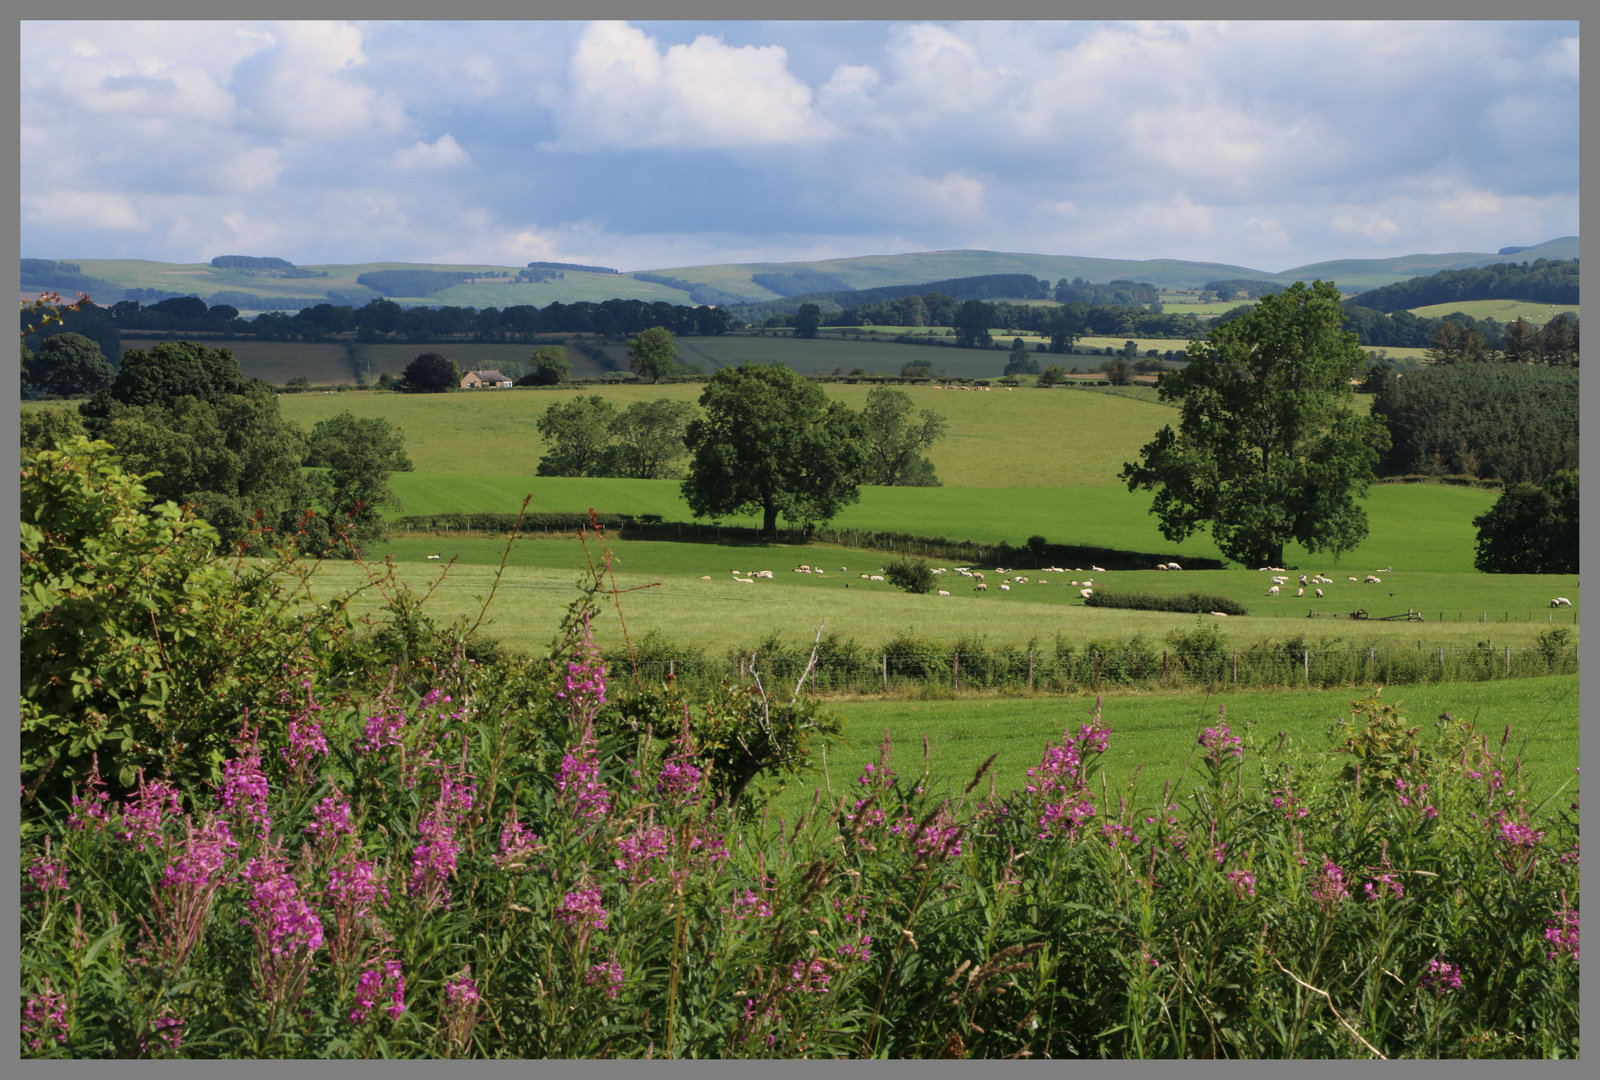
<point>1192,601</point>
<point>912,575</point>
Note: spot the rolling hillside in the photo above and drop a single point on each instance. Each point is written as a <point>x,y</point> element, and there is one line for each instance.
<point>496,286</point>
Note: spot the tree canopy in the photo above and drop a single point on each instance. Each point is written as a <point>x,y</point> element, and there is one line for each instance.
<point>579,435</point>
<point>1531,530</point>
<point>66,365</point>
<point>431,373</point>
<point>649,440</point>
<point>549,366</point>
<point>1268,449</point>
<point>357,456</point>
<point>653,354</point>
<point>771,442</point>
<point>896,440</point>
<point>167,372</point>
<point>806,321</point>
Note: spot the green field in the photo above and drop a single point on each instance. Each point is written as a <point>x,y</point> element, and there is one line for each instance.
<point>1504,311</point>
<point>1021,437</point>
<point>1156,731</point>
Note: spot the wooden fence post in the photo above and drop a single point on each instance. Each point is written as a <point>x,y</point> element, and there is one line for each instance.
<point>1307,659</point>
<point>1030,669</point>
<point>1236,665</point>
<point>958,671</point>
<point>1508,659</point>
<point>1163,666</point>
<point>885,673</point>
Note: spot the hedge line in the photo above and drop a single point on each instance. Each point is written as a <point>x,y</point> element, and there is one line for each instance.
<point>1193,602</point>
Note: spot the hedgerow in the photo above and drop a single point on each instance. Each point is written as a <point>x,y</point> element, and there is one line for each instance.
<point>1186,602</point>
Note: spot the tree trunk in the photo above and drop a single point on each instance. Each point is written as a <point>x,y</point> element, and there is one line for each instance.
<point>1276,558</point>
<point>769,520</point>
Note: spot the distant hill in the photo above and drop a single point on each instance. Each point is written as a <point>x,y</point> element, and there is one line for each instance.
<point>481,285</point>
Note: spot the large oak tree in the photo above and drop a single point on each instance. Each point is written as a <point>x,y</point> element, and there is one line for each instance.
<point>769,443</point>
<point>1270,447</point>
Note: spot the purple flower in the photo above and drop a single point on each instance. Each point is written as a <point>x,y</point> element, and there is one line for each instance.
<point>643,846</point>
<point>283,922</point>
<point>749,905</point>
<point>609,974</point>
<point>517,844</point>
<point>1561,931</point>
<point>1440,977</point>
<point>244,785</point>
<point>1219,743</point>
<point>578,781</point>
<point>1517,834</point>
<point>1328,888</point>
<point>145,817</point>
<point>45,874</point>
<point>331,819</point>
<point>1384,884</point>
<point>809,977</point>
<point>859,950</point>
<point>383,730</point>
<point>370,987</point>
<point>92,811</point>
<point>45,1017</point>
<point>582,908</point>
<point>1243,882</point>
<point>354,887</point>
<point>305,741</point>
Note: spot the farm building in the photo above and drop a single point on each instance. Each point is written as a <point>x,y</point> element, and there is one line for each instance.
<point>478,380</point>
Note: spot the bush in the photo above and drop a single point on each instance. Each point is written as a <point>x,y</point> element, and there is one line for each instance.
<point>912,575</point>
<point>1531,530</point>
<point>1193,601</point>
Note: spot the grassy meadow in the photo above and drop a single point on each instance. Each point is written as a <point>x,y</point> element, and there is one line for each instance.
<point>1504,311</point>
<point>1155,732</point>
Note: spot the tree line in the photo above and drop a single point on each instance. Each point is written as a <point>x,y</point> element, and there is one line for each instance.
<point>1549,281</point>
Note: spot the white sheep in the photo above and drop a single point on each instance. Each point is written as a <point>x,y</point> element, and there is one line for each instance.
<point>1372,580</point>
<point>1022,581</point>
<point>1350,579</point>
<point>1220,614</point>
<point>1098,569</point>
<point>1319,593</point>
<point>1303,579</point>
<point>1173,566</point>
<point>1561,601</point>
<point>1300,591</point>
<point>877,577</point>
<point>865,577</point>
<point>1086,593</point>
<point>980,587</point>
<point>432,557</point>
<point>1004,587</point>
<point>1161,566</point>
<point>944,592</point>
<point>1272,591</point>
<point>745,580</point>
<point>768,573</point>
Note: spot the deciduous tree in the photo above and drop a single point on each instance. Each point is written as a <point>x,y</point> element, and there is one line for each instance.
<point>358,455</point>
<point>431,373</point>
<point>806,321</point>
<point>896,440</point>
<point>549,367</point>
<point>1531,530</point>
<point>648,440</point>
<point>653,354</point>
<point>1268,448</point>
<point>579,436</point>
<point>772,443</point>
<point>68,365</point>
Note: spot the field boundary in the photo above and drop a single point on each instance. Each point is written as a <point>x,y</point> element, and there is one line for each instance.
<point>653,527</point>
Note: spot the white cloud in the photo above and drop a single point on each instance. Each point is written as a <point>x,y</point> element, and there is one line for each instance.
<point>624,91</point>
<point>306,84</point>
<point>443,153</point>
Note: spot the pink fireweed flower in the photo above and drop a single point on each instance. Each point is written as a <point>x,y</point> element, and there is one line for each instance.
<point>144,818</point>
<point>45,1018</point>
<point>679,781</point>
<point>1219,743</point>
<point>1328,888</point>
<point>1517,834</point>
<point>1561,931</point>
<point>707,850</point>
<point>809,977</point>
<point>1114,832</point>
<point>168,1032</point>
<point>370,988</point>
<point>939,839</point>
<point>461,1007</point>
<point>244,785</point>
<point>1384,885</point>
<point>331,819</point>
<point>283,922</point>
<point>92,810</point>
<point>45,874</point>
<point>518,844</point>
<point>608,975</point>
<point>1440,977</point>
<point>582,909</point>
<point>1243,882</point>
<point>1064,817</point>
<point>355,889</point>
<point>306,741</point>
<point>749,905</point>
<point>578,781</point>
<point>383,730</point>
<point>644,846</point>
<point>433,861</point>
<point>859,950</point>
<point>181,906</point>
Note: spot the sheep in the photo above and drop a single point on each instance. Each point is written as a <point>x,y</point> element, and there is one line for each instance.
<point>1173,566</point>
<point>1350,579</point>
<point>432,557</point>
<point>1098,569</point>
<point>944,592</point>
<point>1561,601</point>
<point>976,576</point>
<point>1004,587</point>
<point>865,577</point>
<point>1086,593</point>
<point>1300,591</point>
<point>1161,566</point>
<point>980,587</point>
<point>805,567</point>
<point>1272,591</point>
<point>1319,594</point>
<point>1022,581</point>
<point>705,577</point>
<point>1220,614</point>
<point>764,573</point>
<point>1302,579</point>
<point>745,580</point>
<point>877,577</point>
<point>842,569</point>
<point>1372,580</point>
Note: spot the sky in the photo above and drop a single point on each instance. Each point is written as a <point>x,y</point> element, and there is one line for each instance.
<point>655,145</point>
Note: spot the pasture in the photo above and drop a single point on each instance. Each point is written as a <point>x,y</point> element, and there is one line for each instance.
<point>1155,732</point>
<point>1014,438</point>
<point>1503,311</point>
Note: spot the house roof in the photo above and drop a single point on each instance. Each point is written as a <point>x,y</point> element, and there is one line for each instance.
<point>489,375</point>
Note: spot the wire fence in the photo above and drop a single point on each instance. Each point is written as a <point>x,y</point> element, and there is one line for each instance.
<point>1067,672</point>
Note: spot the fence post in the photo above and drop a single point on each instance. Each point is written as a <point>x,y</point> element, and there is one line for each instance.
<point>1508,660</point>
<point>958,671</point>
<point>672,670</point>
<point>1030,669</point>
<point>1163,667</point>
<point>886,673</point>
<point>1236,665</point>
<point>1307,659</point>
